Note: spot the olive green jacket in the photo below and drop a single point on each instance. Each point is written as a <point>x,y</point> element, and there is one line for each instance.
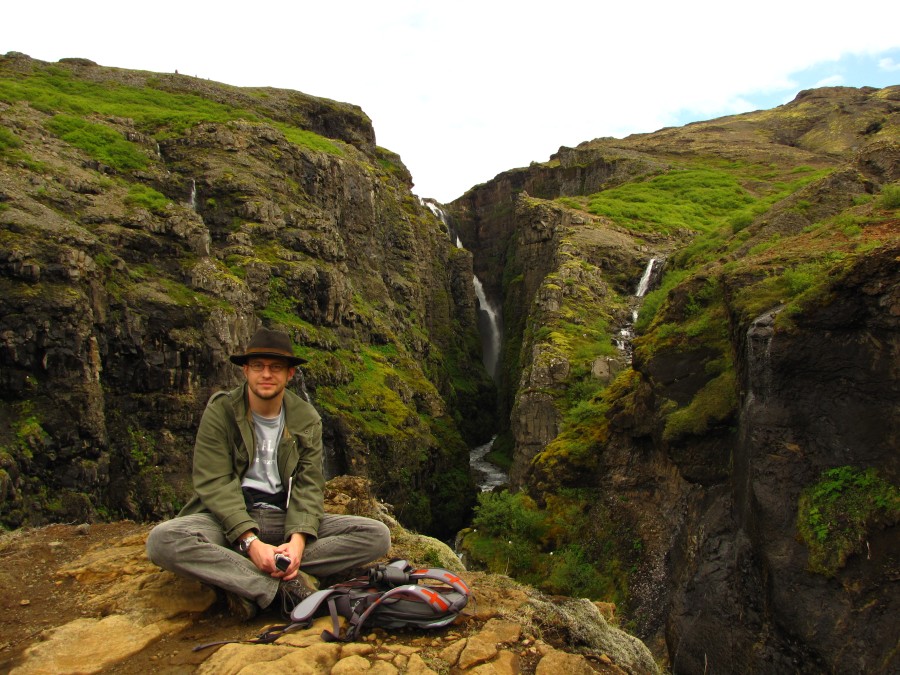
<point>224,450</point>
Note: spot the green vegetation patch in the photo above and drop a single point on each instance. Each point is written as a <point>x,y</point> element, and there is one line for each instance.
<point>789,286</point>
<point>55,90</point>
<point>836,514</point>
<point>584,430</point>
<point>714,404</point>
<point>380,394</point>
<point>570,547</point>
<point>10,150</point>
<point>24,444</point>
<point>98,141</point>
<point>146,197</point>
<point>310,140</point>
<point>693,314</point>
<point>697,199</point>
<point>161,113</point>
<point>8,140</point>
<point>890,197</point>
<point>390,162</point>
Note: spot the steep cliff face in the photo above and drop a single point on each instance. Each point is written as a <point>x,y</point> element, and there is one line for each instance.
<point>821,395</point>
<point>519,245</point>
<point>144,242</point>
<point>743,468</point>
<point>563,310</point>
<point>486,215</point>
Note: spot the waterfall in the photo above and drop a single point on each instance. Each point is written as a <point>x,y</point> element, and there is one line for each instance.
<point>626,333</point>
<point>439,212</point>
<point>490,341</point>
<point>759,356</point>
<point>435,209</point>
<point>488,316</point>
<point>487,475</point>
<point>644,284</point>
<point>304,394</point>
<point>193,194</point>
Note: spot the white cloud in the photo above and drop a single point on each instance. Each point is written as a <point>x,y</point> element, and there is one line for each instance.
<point>467,89</point>
<point>831,81</point>
<point>888,64</point>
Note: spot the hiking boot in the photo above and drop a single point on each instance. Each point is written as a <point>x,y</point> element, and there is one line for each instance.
<point>296,590</point>
<point>241,607</point>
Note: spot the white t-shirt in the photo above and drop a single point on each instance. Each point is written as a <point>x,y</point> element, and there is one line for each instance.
<point>263,473</point>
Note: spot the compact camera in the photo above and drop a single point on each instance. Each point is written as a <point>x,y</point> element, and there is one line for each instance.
<point>282,562</point>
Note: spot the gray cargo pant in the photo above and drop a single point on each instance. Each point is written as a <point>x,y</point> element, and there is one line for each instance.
<point>195,546</point>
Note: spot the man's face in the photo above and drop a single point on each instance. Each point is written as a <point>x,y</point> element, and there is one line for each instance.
<point>267,377</point>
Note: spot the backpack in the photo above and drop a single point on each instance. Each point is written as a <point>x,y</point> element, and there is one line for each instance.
<point>389,596</point>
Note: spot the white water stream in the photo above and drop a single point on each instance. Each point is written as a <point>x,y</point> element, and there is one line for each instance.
<point>487,475</point>
<point>644,283</point>
<point>626,333</point>
<point>490,345</point>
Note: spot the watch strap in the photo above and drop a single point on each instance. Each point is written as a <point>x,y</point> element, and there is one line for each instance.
<point>244,544</point>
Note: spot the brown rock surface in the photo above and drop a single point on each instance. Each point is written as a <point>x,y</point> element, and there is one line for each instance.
<point>97,604</point>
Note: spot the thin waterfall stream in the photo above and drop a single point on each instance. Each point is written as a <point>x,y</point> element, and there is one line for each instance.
<point>488,475</point>
<point>193,197</point>
<point>489,320</point>
<point>649,278</point>
<point>490,346</point>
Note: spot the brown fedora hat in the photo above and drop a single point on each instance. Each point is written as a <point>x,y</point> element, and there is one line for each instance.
<point>267,343</point>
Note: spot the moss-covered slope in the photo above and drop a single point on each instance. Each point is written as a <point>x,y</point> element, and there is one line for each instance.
<point>150,223</point>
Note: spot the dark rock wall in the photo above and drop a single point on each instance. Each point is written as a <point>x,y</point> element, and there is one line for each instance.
<point>824,396</point>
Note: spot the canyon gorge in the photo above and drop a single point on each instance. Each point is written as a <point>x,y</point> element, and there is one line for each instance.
<point>684,343</point>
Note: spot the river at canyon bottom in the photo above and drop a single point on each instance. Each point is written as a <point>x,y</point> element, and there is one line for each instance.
<point>487,475</point>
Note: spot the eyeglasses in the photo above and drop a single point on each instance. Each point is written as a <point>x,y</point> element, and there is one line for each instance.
<point>274,368</point>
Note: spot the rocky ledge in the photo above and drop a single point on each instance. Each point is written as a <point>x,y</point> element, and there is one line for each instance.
<point>85,599</point>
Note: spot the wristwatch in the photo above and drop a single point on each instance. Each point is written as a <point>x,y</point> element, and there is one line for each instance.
<point>244,544</point>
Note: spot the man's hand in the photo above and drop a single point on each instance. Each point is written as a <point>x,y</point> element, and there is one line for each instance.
<point>293,549</point>
<point>262,555</point>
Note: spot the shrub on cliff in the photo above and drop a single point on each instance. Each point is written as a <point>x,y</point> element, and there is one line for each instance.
<point>890,197</point>
<point>836,514</point>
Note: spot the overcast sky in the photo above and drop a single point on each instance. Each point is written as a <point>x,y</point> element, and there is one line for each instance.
<point>463,90</point>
